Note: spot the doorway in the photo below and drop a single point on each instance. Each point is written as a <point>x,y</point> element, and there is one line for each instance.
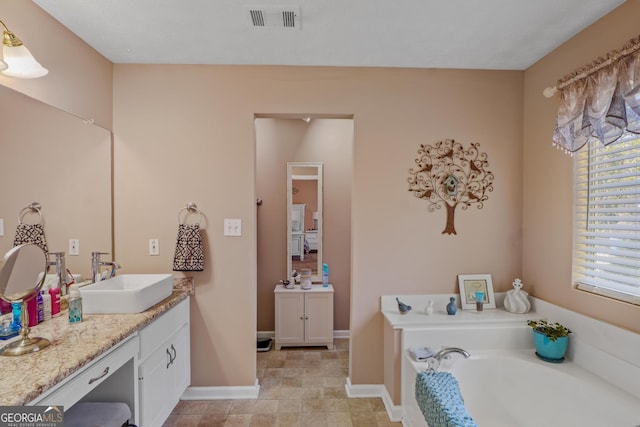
<point>297,138</point>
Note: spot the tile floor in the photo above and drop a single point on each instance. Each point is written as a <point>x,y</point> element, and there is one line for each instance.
<point>298,387</point>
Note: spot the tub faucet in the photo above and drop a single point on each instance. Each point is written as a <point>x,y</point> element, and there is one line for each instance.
<point>96,263</point>
<point>61,271</point>
<point>444,353</point>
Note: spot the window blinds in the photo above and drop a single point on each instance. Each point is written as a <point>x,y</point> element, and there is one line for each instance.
<point>606,256</point>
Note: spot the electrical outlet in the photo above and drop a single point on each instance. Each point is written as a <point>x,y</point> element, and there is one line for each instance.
<point>154,247</point>
<point>74,247</point>
<point>233,227</point>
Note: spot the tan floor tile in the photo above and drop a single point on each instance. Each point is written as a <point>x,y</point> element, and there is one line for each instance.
<point>292,372</point>
<point>335,393</point>
<point>190,407</point>
<point>336,405</point>
<point>312,363</point>
<point>312,355</point>
<point>312,405</point>
<point>288,420</point>
<point>332,371</point>
<point>312,381</point>
<point>289,406</point>
<point>272,392</point>
<point>182,421</point>
<point>342,354</point>
<point>218,407</point>
<point>275,363</point>
<point>295,354</point>
<point>273,355</point>
<point>363,419</point>
<point>293,381</point>
<point>238,420</point>
<point>339,419</point>
<point>328,355</point>
<point>287,392</point>
<point>263,420</point>
<point>383,420</point>
<point>261,363</point>
<point>293,363</point>
<point>312,372</point>
<point>266,406</point>
<point>313,419</point>
<point>359,405</point>
<point>333,381</point>
<point>244,406</point>
<point>313,393</point>
<point>377,405</point>
<point>212,420</point>
<point>273,373</point>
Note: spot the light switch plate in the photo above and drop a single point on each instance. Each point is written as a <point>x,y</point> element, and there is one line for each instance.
<point>154,247</point>
<point>74,247</point>
<point>233,227</point>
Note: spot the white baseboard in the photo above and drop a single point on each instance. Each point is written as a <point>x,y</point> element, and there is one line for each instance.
<point>375,390</point>
<point>272,334</point>
<point>220,393</point>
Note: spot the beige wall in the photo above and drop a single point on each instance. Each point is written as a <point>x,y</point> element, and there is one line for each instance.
<point>185,133</point>
<point>79,80</point>
<point>54,158</point>
<point>278,141</point>
<point>547,221</point>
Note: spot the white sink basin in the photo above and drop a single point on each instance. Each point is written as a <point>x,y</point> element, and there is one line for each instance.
<point>127,293</point>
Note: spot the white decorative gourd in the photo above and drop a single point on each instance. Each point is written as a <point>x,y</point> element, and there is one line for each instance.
<point>516,300</point>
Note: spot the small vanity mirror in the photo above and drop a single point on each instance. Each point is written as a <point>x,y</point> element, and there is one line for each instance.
<point>304,218</point>
<point>22,274</point>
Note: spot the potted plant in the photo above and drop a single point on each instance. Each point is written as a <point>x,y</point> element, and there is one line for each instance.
<point>550,340</point>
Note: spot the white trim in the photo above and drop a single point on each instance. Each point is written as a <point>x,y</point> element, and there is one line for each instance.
<point>374,390</point>
<point>221,393</point>
<point>272,334</point>
<point>341,334</point>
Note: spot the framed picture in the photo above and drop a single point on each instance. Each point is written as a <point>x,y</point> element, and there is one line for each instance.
<point>474,286</point>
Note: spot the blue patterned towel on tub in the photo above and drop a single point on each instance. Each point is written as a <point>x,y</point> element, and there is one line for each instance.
<point>438,396</point>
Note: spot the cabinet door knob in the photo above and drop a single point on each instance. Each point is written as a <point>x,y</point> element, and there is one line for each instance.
<point>170,359</point>
<point>105,372</point>
<point>175,353</point>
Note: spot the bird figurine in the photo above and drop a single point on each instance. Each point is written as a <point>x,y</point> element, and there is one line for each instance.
<point>404,308</point>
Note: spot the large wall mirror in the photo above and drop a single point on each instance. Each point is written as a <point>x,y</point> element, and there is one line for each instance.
<point>63,163</point>
<point>304,217</point>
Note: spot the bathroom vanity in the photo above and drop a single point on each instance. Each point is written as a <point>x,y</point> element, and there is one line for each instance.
<point>304,317</point>
<point>141,359</point>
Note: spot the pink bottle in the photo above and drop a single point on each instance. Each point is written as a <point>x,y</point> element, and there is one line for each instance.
<point>32,310</point>
<point>55,301</point>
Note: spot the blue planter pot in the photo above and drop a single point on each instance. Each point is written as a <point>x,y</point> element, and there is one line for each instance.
<point>546,349</point>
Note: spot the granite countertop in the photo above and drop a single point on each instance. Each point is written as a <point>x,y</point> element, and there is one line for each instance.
<point>24,378</point>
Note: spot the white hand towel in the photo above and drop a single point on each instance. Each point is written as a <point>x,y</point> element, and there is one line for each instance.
<point>420,354</point>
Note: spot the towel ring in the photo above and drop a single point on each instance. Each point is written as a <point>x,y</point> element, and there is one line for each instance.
<point>33,207</point>
<point>190,208</point>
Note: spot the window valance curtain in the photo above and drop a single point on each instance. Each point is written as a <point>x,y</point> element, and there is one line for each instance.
<point>600,101</point>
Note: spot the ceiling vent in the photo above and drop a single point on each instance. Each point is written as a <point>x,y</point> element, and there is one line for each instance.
<point>274,17</point>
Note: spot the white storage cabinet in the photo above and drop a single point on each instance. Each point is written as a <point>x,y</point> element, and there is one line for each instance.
<point>304,317</point>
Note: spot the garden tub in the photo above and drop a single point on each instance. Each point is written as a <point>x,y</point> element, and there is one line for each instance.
<point>515,388</point>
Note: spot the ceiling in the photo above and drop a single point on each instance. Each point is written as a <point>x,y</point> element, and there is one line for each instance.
<point>472,34</point>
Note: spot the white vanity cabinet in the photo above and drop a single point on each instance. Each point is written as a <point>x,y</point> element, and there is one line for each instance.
<point>164,371</point>
<point>304,317</point>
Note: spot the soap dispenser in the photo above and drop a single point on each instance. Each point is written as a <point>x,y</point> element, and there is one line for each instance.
<point>75,305</point>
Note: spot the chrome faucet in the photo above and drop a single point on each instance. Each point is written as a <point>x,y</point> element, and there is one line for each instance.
<point>445,352</point>
<point>96,263</point>
<point>61,270</point>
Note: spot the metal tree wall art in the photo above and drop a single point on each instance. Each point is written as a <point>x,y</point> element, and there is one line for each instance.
<point>449,175</point>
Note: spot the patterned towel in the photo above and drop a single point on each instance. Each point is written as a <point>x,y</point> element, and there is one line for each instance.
<point>440,401</point>
<point>30,233</point>
<point>189,255</point>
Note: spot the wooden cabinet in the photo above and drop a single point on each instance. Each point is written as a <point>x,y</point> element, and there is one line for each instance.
<point>304,317</point>
<point>164,372</point>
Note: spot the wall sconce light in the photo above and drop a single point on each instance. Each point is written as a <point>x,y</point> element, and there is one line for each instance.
<point>16,60</point>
